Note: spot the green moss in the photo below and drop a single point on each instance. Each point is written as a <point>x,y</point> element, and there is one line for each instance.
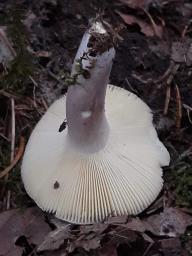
<point>186,241</point>
<point>14,182</point>
<point>4,153</point>
<point>22,66</point>
<point>179,180</point>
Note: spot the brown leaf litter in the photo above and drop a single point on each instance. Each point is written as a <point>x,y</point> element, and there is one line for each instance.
<point>162,229</point>
<point>149,30</point>
<point>7,53</point>
<point>16,223</point>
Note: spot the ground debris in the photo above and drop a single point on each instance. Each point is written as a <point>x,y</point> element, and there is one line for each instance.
<point>21,223</point>
<point>147,29</point>
<point>182,52</point>
<point>171,247</point>
<point>55,238</point>
<point>116,220</point>
<point>7,53</point>
<point>107,251</point>
<point>172,222</point>
<point>135,224</point>
<point>138,3</point>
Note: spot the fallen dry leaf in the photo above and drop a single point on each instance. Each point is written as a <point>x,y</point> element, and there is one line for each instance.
<point>55,239</point>
<point>171,246</point>
<point>117,220</point>
<point>30,18</point>
<point>135,224</point>
<point>7,53</point>
<point>137,3</point>
<point>15,223</point>
<point>181,52</point>
<point>146,28</point>
<point>123,235</point>
<point>172,222</point>
<point>108,251</point>
<point>98,228</point>
<point>87,243</point>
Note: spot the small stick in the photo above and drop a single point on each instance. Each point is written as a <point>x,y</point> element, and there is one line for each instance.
<point>34,87</point>
<point>154,26</point>
<point>178,108</point>
<point>7,94</point>
<point>12,128</point>
<point>8,199</point>
<point>56,78</point>
<point>148,249</point>
<point>16,159</point>
<point>12,141</point>
<point>167,100</point>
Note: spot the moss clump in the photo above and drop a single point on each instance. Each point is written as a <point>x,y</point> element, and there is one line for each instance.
<point>179,179</point>
<point>22,66</point>
<point>186,240</point>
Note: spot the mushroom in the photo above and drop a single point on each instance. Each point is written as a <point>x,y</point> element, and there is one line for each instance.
<point>106,160</point>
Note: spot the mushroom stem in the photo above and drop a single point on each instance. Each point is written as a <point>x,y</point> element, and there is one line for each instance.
<point>87,124</point>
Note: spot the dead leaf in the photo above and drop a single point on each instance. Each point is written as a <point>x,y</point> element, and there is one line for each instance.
<point>95,228</point>
<point>117,220</point>
<point>123,235</point>
<point>87,243</point>
<point>109,250</point>
<point>172,222</point>
<point>15,223</point>
<point>181,52</point>
<point>57,222</point>
<point>146,28</point>
<point>7,53</point>
<point>164,123</point>
<point>29,19</point>
<point>147,238</point>
<point>136,224</point>
<point>137,3</point>
<point>56,253</point>
<point>171,247</point>
<point>55,239</point>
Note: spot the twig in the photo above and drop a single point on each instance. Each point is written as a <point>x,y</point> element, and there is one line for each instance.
<point>189,109</point>
<point>8,199</point>
<point>12,144</point>
<point>16,159</point>
<point>4,137</point>
<point>12,129</point>
<point>34,87</point>
<point>166,73</point>
<point>178,108</point>
<point>148,249</point>
<point>130,86</point>
<point>44,103</point>
<point>173,73</point>
<point>7,94</point>
<point>154,25</point>
<point>167,100</point>
<point>56,78</point>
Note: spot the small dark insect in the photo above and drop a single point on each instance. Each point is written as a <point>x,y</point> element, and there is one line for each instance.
<point>63,126</point>
<point>56,185</point>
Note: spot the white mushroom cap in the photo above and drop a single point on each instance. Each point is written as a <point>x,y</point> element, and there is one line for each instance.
<point>81,187</point>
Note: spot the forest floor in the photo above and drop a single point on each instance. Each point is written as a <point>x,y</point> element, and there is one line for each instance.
<point>38,42</point>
